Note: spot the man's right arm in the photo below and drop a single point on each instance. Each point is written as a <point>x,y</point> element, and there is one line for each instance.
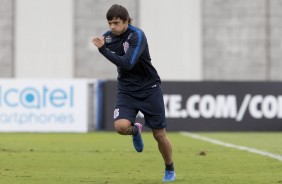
<point>137,44</point>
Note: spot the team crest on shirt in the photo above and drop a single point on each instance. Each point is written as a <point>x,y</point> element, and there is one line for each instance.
<point>108,39</point>
<point>125,46</point>
<point>116,113</point>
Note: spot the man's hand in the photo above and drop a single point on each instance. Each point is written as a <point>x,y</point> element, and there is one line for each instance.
<point>98,42</point>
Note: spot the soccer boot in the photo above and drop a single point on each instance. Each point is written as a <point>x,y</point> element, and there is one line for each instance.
<point>169,176</point>
<point>137,139</point>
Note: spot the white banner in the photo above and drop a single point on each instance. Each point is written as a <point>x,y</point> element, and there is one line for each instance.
<point>44,105</point>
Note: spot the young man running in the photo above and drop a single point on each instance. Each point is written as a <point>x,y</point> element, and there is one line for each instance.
<point>139,85</point>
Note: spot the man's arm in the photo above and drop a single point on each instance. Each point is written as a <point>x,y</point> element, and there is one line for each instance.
<point>137,45</point>
<point>98,42</point>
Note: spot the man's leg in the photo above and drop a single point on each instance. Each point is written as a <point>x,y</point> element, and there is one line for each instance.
<point>124,127</point>
<point>163,144</point>
<point>166,152</point>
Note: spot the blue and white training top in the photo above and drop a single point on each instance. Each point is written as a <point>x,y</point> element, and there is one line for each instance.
<point>130,53</point>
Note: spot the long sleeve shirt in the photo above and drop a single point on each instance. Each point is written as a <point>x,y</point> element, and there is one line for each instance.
<point>130,53</point>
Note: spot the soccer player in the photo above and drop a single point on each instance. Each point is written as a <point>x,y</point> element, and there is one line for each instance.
<point>139,85</point>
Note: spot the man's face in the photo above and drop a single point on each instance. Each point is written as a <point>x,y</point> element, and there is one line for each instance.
<point>117,26</point>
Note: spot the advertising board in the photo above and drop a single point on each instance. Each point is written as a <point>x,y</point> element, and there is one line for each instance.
<point>213,106</point>
<point>44,105</point>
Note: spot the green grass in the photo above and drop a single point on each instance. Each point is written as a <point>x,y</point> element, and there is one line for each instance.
<point>104,157</point>
<point>270,142</point>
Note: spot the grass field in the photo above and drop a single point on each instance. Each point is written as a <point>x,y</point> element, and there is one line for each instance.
<point>104,158</point>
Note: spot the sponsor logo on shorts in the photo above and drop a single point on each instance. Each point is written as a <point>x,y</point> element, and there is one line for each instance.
<point>116,113</point>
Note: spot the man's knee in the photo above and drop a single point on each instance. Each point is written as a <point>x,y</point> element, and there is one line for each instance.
<point>159,135</point>
<point>122,126</point>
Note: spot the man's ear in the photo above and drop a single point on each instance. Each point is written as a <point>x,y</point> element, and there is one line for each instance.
<point>126,21</point>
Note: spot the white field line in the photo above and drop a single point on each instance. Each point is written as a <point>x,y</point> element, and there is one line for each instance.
<point>221,143</point>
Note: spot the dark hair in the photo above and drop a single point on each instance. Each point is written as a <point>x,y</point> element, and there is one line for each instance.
<point>118,11</point>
